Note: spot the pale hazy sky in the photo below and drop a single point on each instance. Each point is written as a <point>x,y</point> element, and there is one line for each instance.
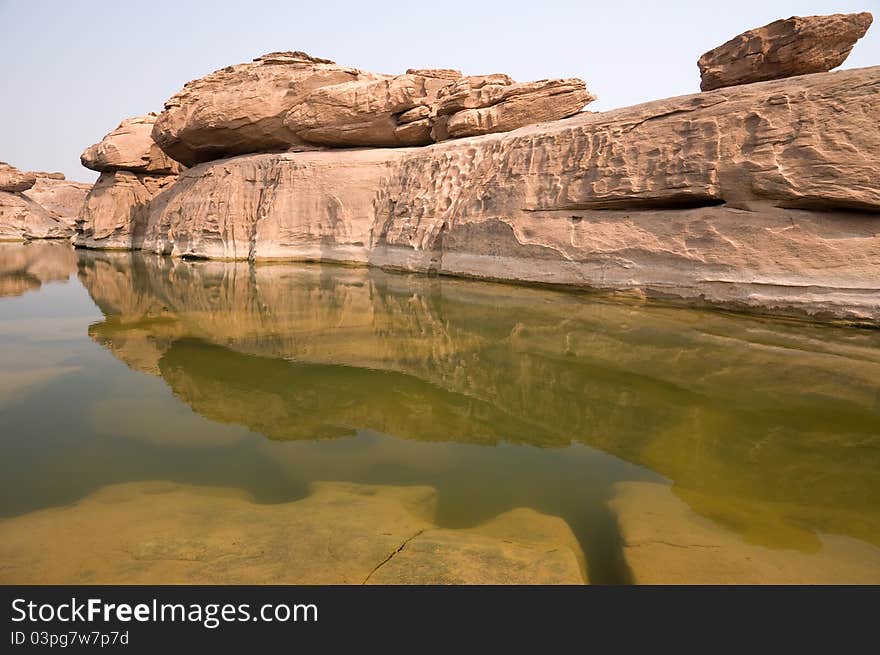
<point>72,70</point>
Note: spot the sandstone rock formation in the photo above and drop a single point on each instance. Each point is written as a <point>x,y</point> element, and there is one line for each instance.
<point>130,147</point>
<point>241,109</point>
<point>62,198</point>
<point>21,218</point>
<point>115,209</point>
<point>794,46</point>
<point>370,112</point>
<point>753,196</point>
<point>290,100</point>
<point>488,104</point>
<point>13,180</point>
<point>134,170</point>
<point>163,533</point>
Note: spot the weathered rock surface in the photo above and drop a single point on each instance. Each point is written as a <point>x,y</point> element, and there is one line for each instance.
<point>367,113</point>
<point>159,532</point>
<point>22,219</point>
<point>63,199</point>
<point>14,180</point>
<point>308,206</point>
<point>130,147</point>
<point>292,101</point>
<point>472,109</point>
<point>794,46</point>
<point>241,109</point>
<point>115,208</point>
<point>664,542</point>
<point>762,196</point>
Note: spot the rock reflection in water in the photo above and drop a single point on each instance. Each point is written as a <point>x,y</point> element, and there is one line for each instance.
<point>769,428</point>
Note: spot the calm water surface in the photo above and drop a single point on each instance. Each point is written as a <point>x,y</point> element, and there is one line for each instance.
<point>676,444</point>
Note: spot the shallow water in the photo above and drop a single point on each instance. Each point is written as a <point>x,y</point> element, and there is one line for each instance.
<point>676,444</point>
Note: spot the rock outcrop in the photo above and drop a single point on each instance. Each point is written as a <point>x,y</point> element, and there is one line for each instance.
<point>130,147</point>
<point>241,109</point>
<point>63,199</point>
<point>13,180</point>
<point>763,196</point>
<point>164,533</point>
<point>290,100</point>
<point>21,218</point>
<point>378,113</point>
<point>116,208</point>
<point>795,46</point>
<point>134,170</point>
<point>488,104</point>
<point>27,267</point>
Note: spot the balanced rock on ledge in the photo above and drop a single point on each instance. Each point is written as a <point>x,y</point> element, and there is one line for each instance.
<point>241,109</point>
<point>292,101</point>
<point>795,46</point>
<point>134,170</point>
<point>130,147</point>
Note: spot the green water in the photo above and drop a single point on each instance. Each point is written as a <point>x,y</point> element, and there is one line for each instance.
<point>120,367</point>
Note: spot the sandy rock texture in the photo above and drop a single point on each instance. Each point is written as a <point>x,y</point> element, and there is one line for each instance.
<point>793,46</point>
<point>762,196</point>
<point>241,109</point>
<point>339,534</point>
<point>63,199</point>
<point>494,103</point>
<point>130,147</point>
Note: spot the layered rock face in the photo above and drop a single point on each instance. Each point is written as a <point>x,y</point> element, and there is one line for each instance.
<point>290,100</point>
<point>795,46</point>
<point>63,199</point>
<point>134,170</point>
<point>762,196</point>
<point>21,218</point>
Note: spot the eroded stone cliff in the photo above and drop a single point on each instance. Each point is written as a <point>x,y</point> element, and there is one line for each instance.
<point>763,195</point>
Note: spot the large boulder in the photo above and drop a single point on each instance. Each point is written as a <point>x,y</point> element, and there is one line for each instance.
<point>795,46</point>
<point>130,147</point>
<point>241,109</point>
<point>14,180</point>
<point>370,113</point>
<point>62,198</point>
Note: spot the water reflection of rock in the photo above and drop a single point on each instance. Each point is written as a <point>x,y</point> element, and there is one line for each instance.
<point>770,429</point>
<point>26,267</point>
<point>163,533</point>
